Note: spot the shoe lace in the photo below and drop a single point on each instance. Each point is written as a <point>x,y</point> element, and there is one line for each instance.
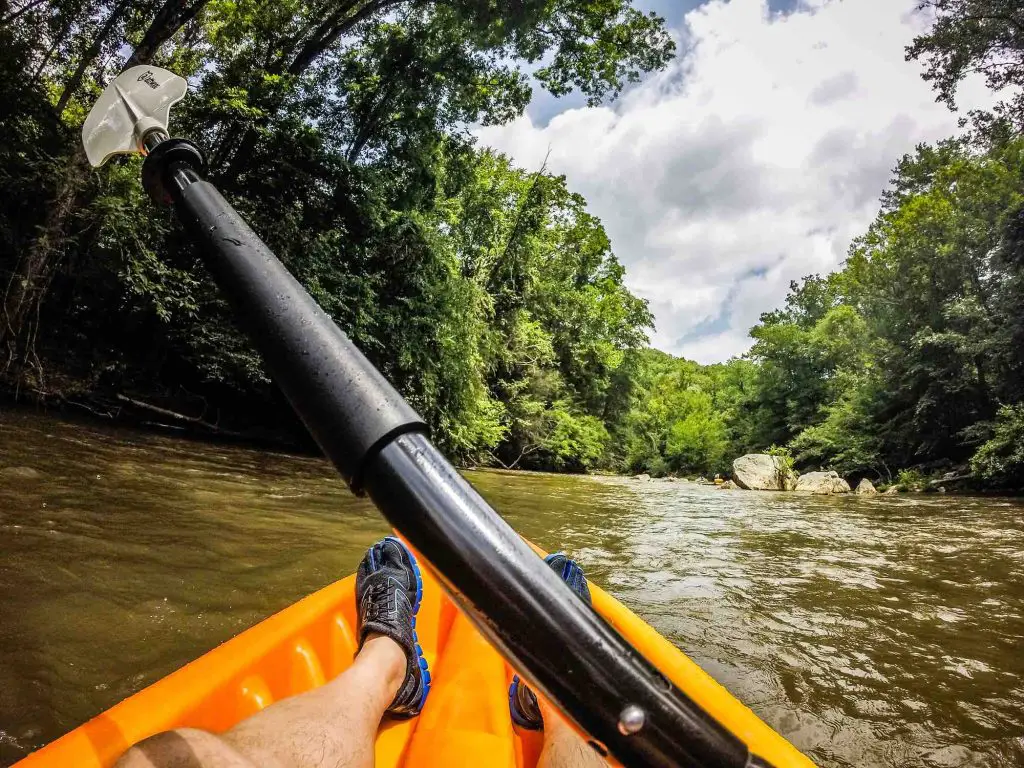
<point>379,600</point>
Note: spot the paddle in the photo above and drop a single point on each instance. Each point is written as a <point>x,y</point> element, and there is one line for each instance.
<point>379,445</point>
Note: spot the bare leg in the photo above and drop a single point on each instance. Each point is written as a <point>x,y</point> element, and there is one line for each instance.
<point>563,747</point>
<point>333,726</point>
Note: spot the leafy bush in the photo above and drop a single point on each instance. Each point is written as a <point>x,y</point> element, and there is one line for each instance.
<point>783,452</point>
<point>658,467</point>
<point>909,480</point>
<point>1000,460</point>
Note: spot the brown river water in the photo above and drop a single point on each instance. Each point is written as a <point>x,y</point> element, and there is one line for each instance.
<point>871,632</point>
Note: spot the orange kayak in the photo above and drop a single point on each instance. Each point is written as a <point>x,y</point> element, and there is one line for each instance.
<point>465,721</point>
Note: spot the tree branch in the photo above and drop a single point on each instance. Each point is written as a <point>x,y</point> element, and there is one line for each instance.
<point>87,58</point>
<point>20,12</point>
<point>168,20</point>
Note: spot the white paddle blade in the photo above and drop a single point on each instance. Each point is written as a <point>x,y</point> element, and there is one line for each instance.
<point>138,100</point>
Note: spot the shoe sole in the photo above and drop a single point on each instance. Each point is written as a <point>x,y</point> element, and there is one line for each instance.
<point>513,708</point>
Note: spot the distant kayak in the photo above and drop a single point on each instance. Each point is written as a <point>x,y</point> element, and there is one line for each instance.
<point>465,720</point>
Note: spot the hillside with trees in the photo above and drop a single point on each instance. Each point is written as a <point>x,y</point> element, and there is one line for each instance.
<point>488,293</point>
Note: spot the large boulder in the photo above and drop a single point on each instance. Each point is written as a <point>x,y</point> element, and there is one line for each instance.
<point>761,472</point>
<point>866,488</point>
<point>822,483</point>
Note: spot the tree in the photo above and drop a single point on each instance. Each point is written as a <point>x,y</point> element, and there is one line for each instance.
<point>388,85</point>
<point>974,36</point>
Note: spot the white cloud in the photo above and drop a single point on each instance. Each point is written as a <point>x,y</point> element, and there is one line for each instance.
<point>752,161</point>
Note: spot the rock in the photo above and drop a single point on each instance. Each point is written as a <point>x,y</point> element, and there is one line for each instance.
<point>761,472</point>
<point>644,477</point>
<point>866,488</point>
<point>728,485</point>
<point>892,490</point>
<point>822,483</point>
<point>21,473</point>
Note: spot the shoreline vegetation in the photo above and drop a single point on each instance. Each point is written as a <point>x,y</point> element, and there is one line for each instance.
<point>489,294</point>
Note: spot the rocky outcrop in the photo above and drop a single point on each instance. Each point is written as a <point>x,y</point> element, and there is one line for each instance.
<point>642,478</point>
<point>892,490</point>
<point>822,483</point>
<point>761,472</point>
<point>866,488</point>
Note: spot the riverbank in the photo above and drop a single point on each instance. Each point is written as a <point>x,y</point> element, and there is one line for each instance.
<point>122,412</point>
<point>143,418</point>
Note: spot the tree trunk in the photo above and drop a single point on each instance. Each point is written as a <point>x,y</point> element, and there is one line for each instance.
<point>323,37</point>
<point>370,124</point>
<point>34,271</point>
<point>90,54</point>
<point>49,53</point>
<point>27,287</point>
<point>169,19</point>
<point>21,11</point>
<point>330,32</point>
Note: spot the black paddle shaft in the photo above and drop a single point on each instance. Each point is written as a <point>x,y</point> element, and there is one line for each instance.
<point>378,444</point>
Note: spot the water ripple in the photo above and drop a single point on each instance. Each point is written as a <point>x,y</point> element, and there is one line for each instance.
<point>871,632</point>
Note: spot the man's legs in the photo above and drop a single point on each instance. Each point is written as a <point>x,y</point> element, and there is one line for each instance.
<point>563,746</point>
<point>334,725</point>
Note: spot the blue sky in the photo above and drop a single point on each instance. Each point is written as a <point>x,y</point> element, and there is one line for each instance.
<point>753,160</point>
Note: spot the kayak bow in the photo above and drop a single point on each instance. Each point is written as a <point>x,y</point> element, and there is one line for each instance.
<point>465,721</point>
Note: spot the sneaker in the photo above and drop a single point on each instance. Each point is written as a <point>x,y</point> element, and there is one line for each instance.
<point>522,702</point>
<point>388,593</point>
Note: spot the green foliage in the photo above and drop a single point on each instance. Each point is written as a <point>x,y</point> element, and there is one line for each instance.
<point>574,442</point>
<point>785,453</point>
<point>903,357</point>
<point>974,36</point>
<point>1000,460</point>
<point>487,294</point>
<point>910,480</point>
<point>681,417</point>
<point>845,440</point>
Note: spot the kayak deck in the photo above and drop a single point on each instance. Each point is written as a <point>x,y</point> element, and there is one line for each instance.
<point>465,721</point>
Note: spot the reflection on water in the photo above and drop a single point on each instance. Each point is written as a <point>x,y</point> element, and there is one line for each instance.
<point>871,632</point>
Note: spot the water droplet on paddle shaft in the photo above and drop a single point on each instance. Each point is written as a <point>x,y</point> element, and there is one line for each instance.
<point>631,720</point>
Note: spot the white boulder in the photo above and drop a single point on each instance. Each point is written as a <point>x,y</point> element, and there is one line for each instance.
<point>866,488</point>
<point>822,483</point>
<point>761,472</point>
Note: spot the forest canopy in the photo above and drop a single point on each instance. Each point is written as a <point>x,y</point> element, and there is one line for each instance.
<point>489,294</point>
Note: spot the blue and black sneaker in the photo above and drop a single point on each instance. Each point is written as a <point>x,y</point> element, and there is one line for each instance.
<point>522,702</point>
<point>388,593</point>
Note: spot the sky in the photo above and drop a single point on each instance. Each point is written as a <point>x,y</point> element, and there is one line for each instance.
<point>752,160</point>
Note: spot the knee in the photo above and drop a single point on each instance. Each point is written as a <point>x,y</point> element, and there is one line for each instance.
<point>183,748</point>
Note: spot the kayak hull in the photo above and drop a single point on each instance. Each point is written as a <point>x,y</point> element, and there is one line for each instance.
<point>465,721</point>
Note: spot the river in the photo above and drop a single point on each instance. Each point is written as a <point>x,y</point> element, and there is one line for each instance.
<point>871,632</point>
